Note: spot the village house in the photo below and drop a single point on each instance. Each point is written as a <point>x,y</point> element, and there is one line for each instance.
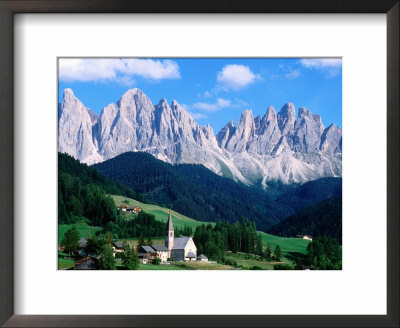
<point>137,209</point>
<point>122,207</point>
<point>147,254</point>
<point>202,258</point>
<point>130,209</point>
<point>81,250</point>
<point>307,237</point>
<point>162,252</point>
<point>118,247</point>
<point>87,263</point>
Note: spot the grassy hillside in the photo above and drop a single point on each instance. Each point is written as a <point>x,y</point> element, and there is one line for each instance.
<point>160,213</point>
<point>82,228</point>
<point>286,244</point>
<point>322,219</point>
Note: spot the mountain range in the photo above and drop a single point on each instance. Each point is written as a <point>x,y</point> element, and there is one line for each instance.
<point>274,147</point>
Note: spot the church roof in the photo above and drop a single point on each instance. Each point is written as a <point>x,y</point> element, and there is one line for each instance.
<point>180,242</point>
<point>170,226</point>
<point>190,254</point>
<point>148,249</point>
<point>160,248</point>
<point>119,244</point>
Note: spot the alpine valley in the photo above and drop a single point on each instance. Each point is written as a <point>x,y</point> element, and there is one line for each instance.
<point>274,148</point>
<point>262,194</point>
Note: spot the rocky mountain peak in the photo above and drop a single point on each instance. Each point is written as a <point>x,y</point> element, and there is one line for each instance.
<point>304,112</point>
<point>286,118</point>
<point>331,139</point>
<point>270,115</point>
<point>275,146</point>
<point>68,94</point>
<point>162,101</point>
<point>174,103</point>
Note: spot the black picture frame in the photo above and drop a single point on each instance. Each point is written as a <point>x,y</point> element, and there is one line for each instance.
<point>10,7</point>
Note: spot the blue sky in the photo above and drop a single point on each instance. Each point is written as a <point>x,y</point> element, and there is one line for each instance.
<point>213,90</point>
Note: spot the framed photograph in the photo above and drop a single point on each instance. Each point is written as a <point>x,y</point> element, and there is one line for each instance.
<point>237,159</point>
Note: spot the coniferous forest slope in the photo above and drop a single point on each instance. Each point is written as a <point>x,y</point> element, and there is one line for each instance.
<point>322,219</point>
<point>197,192</point>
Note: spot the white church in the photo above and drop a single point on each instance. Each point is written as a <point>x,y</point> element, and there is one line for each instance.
<point>181,248</point>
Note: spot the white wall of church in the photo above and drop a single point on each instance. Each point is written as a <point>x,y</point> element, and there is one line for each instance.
<point>191,247</point>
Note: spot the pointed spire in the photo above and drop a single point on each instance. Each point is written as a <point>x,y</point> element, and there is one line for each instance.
<point>170,226</point>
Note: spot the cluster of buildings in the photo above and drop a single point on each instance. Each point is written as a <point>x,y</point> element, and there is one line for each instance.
<point>130,209</point>
<point>174,249</point>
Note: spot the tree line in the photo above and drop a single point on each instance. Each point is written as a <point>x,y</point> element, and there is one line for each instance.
<point>238,237</point>
<point>78,201</point>
<point>144,224</point>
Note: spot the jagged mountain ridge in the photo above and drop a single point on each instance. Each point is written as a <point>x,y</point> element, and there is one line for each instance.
<point>274,147</point>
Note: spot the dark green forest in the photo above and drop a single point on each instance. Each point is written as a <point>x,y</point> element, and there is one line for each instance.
<point>89,175</point>
<point>310,193</point>
<point>191,189</point>
<point>322,219</point>
<point>83,201</point>
<point>324,253</point>
<point>194,191</point>
<point>197,192</point>
<point>144,225</point>
<point>238,237</point>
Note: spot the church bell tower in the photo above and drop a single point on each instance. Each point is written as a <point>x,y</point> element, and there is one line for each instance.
<point>169,233</point>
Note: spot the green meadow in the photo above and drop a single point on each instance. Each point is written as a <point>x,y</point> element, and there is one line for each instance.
<point>83,228</point>
<point>287,245</point>
<point>290,247</point>
<point>159,212</point>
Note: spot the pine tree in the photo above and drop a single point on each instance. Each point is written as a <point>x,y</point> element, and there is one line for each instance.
<point>106,258</point>
<point>130,258</point>
<point>149,242</point>
<point>268,251</point>
<point>141,242</point>
<point>71,240</point>
<point>277,253</point>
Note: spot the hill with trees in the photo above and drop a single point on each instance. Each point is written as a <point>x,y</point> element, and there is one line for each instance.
<point>89,175</point>
<point>310,193</point>
<point>191,189</point>
<point>195,191</point>
<point>322,219</point>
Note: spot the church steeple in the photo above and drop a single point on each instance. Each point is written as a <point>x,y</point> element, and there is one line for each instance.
<point>169,233</point>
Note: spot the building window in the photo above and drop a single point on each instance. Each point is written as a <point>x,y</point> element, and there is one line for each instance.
<point>170,234</point>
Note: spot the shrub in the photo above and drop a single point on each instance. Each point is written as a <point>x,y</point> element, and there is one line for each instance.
<point>283,267</point>
<point>157,261</point>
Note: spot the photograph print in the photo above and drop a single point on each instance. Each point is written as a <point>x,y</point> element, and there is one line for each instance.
<point>199,163</point>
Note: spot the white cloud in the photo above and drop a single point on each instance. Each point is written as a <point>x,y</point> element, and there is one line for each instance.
<point>331,67</point>
<point>197,115</point>
<point>153,69</point>
<point>116,70</point>
<point>236,77</point>
<point>207,94</point>
<point>207,107</point>
<point>293,74</point>
<point>321,63</point>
